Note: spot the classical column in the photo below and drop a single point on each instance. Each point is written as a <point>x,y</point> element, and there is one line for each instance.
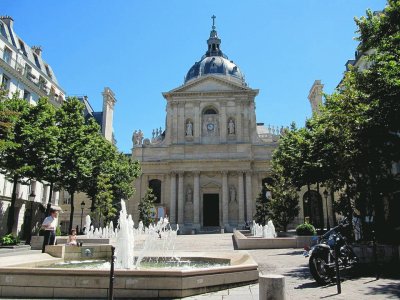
<point>225,198</point>
<point>181,200</point>
<point>241,198</point>
<point>196,199</point>
<point>249,198</point>
<point>172,205</point>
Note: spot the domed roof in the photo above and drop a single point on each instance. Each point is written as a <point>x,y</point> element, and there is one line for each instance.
<point>215,62</point>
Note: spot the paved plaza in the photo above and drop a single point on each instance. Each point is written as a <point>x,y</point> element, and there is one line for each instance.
<point>288,262</point>
<point>292,264</point>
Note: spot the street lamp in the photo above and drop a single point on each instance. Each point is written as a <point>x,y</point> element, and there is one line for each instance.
<point>82,207</point>
<point>328,226</point>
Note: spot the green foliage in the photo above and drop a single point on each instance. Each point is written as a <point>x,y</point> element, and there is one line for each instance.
<point>9,240</point>
<point>261,215</point>
<point>76,147</point>
<point>58,231</point>
<point>351,145</point>
<point>306,229</point>
<point>104,199</point>
<point>146,206</point>
<point>284,203</point>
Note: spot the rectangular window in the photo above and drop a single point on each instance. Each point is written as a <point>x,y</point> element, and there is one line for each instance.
<point>28,71</point>
<point>48,71</point>
<point>22,46</point>
<point>7,55</point>
<point>5,82</point>
<point>27,95</point>
<point>36,60</point>
<point>3,30</point>
<point>43,83</point>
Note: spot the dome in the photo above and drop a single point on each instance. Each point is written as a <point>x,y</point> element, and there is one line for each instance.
<point>218,65</point>
<point>215,62</point>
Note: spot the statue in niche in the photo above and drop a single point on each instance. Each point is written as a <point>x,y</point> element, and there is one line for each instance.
<point>231,127</point>
<point>189,194</point>
<point>189,128</point>
<point>232,193</point>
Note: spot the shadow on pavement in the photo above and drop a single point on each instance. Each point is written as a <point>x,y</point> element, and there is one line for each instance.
<point>294,252</point>
<point>390,290</point>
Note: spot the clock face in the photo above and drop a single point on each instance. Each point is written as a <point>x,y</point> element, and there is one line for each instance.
<point>210,127</point>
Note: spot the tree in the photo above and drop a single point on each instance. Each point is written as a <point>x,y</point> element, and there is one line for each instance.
<point>124,172</point>
<point>351,145</point>
<point>8,117</point>
<point>76,146</point>
<point>104,199</point>
<point>146,208</point>
<point>41,139</point>
<point>284,203</point>
<point>262,212</point>
<point>13,160</point>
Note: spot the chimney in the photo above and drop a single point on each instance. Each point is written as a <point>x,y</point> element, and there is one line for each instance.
<point>37,50</point>
<point>8,21</point>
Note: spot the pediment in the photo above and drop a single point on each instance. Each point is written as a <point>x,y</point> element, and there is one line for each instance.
<point>211,185</point>
<point>210,83</point>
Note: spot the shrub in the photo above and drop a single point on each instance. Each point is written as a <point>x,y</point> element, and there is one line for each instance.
<point>305,229</point>
<point>9,239</point>
<point>58,231</point>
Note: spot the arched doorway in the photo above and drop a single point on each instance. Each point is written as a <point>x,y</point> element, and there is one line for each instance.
<point>312,204</point>
<point>155,185</point>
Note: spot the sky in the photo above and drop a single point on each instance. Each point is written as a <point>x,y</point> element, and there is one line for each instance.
<point>143,48</point>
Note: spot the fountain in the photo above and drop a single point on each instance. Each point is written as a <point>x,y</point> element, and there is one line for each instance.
<point>125,240</point>
<point>267,231</point>
<point>156,271</point>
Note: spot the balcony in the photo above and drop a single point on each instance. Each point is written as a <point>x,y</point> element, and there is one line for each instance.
<point>23,72</point>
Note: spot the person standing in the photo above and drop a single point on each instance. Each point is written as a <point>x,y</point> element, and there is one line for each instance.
<point>49,225</point>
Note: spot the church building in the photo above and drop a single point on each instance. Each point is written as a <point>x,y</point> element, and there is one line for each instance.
<point>212,160</point>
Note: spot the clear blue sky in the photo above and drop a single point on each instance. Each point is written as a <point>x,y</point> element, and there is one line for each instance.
<point>142,48</point>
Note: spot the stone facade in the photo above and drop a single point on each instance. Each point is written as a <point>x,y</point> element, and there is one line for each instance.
<point>209,164</point>
<point>213,156</point>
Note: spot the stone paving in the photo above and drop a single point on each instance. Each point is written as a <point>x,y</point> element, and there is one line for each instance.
<point>294,266</point>
<point>287,262</point>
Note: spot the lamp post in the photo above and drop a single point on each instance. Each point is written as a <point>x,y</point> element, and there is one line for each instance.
<point>82,207</point>
<point>31,198</point>
<point>328,226</point>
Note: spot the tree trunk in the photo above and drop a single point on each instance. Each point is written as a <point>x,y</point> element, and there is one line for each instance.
<point>71,216</point>
<point>11,211</point>
<point>49,201</point>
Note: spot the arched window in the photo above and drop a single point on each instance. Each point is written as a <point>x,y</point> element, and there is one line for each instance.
<point>155,185</point>
<point>312,204</point>
<point>210,111</point>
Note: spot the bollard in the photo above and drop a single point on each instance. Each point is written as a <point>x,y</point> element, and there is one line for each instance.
<point>222,230</point>
<point>337,269</point>
<point>272,287</point>
<point>111,287</point>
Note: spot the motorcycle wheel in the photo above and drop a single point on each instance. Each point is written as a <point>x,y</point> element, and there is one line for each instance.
<point>318,269</point>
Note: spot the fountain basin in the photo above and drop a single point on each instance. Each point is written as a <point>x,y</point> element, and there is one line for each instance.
<point>244,242</point>
<point>35,280</point>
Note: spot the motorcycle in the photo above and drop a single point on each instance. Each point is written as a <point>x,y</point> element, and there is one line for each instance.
<point>323,255</point>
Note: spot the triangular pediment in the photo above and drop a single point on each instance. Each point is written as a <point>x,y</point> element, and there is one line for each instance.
<point>211,83</point>
<point>211,185</point>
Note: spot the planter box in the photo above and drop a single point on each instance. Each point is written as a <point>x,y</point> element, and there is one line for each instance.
<point>37,242</point>
<point>306,240</point>
<point>385,253</point>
